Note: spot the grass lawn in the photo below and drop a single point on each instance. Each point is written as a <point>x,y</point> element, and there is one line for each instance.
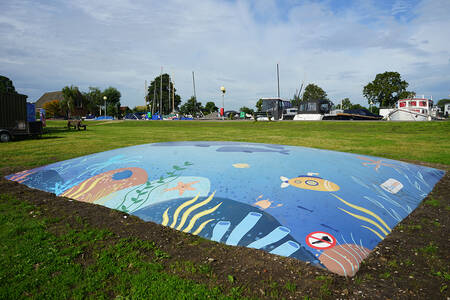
<point>413,141</point>
<point>40,258</point>
<point>44,256</point>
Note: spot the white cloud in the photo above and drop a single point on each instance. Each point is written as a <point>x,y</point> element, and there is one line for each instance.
<point>231,43</point>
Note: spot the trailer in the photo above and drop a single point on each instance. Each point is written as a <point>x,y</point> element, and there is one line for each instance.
<point>17,117</point>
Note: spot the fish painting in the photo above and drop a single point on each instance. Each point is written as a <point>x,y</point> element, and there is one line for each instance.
<point>310,182</point>
<point>106,183</point>
<point>265,204</point>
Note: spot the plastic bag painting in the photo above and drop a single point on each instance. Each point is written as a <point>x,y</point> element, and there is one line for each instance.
<point>327,208</point>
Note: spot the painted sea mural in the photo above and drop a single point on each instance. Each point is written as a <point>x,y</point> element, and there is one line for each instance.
<point>324,207</point>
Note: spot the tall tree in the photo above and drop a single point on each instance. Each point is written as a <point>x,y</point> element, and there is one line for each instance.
<point>211,107</point>
<point>73,103</point>
<point>94,98</point>
<point>314,92</point>
<point>153,97</point>
<point>6,85</point>
<point>112,101</point>
<point>191,107</point>
<point>386,89</point>
<point>112,94</point>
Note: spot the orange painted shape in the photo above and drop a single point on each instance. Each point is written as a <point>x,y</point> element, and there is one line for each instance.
<point>344,259</point>
<point>104,184</point>
<point>182,187</point>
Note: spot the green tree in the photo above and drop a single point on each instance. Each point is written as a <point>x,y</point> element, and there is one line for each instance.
<point>259,105</point>
<point>112,101</point>
<point>314,92</point>
<point>191,107</point>
<point>6,85</point>
<point>153,96</point>
<point>357,106</point>
<point>94,99</point>
<point>139,109</point>
<point>442,102</point>
<point>73,103</point>
<point>211,107</point>
<point>53,109</point>
<point>295,101</point>
<point>344,104</point>
<point>112,94</point>
<point>386,89</point>
<point>247,110</point>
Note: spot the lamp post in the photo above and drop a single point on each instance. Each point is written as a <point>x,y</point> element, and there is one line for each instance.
<point>222,88</point>
<point>105,98</point>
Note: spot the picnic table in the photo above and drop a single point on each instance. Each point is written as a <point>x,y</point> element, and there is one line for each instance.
<point>76,124</point>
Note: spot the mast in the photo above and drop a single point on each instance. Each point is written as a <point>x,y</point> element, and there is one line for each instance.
<point>278,79</point>
<point>145,93</point>
<point>160,92</point>
<point>173,97</point>
<point>154,99</point>
<point>169,93</point>
<point>193,83</point>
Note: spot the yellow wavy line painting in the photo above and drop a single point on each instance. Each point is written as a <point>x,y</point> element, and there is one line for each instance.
<point>191,207</point>
<point>366,219</point>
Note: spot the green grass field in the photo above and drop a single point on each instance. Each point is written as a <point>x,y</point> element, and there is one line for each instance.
<point>37,263</point>
<point>413,141</point>
<point>39,257</point>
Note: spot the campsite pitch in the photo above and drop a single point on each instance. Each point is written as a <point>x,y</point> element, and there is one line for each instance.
<point>326,208</point>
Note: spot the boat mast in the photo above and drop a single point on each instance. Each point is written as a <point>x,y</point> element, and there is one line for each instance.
<point>169,93</point>
<point>278,80</point>
<point>154,98</point>
<point>173,97</point>
<point>160,93</point>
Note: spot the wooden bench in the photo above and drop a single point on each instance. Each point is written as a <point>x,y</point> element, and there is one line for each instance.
<point>76,124</point>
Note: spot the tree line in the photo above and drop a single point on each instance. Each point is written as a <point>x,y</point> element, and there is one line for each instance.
<point>76,103</point>
<point>384,91</point>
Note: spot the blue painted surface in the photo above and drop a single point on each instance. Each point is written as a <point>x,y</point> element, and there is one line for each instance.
<point>251,194</point>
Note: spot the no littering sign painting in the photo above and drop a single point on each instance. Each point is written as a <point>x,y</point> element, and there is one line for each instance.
<point>320,240</point>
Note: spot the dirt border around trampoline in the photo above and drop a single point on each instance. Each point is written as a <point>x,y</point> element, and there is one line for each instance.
<point>412,262</point>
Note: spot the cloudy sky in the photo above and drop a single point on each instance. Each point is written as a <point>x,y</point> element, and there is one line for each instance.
<point>338,45</point>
